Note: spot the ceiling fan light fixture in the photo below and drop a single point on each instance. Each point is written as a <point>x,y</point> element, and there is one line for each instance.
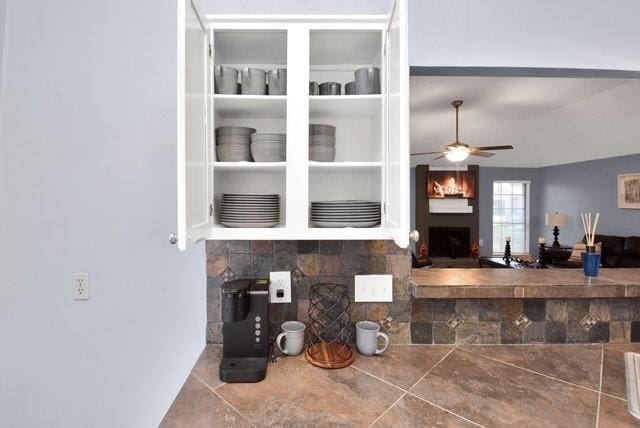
<point>457,154</point>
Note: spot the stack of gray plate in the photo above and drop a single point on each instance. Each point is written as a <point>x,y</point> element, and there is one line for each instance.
<point>233,143</point>
<point>322,143</point>
<point>269,147</point>
<point>349,213</point>
<point>250,210</point>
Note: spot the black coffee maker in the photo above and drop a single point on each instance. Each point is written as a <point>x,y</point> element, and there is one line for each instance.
<point>245,332</point>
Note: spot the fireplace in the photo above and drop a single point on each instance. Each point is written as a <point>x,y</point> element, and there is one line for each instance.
<point>449,242</point>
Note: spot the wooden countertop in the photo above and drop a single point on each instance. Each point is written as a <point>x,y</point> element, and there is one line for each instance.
<point>524,283</point>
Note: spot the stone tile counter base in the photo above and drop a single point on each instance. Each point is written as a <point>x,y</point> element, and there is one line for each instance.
<point>510,321</point>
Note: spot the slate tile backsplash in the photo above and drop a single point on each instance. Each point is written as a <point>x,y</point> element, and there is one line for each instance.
<point>312,262</point>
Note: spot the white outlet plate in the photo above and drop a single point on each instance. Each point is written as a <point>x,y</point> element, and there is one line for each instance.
<point>80,287</point>
<point>280,281</point>
<point>374,288</point>
<point>481,242</point>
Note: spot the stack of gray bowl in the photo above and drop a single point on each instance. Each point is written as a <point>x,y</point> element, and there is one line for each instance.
<point>269,147</point>
<point>234,143</point>
<point>322,143</point>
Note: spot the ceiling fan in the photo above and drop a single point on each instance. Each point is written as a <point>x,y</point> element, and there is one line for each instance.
<point>457,151</point>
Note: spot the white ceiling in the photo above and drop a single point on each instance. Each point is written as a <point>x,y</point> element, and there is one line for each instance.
<point>549,121</point>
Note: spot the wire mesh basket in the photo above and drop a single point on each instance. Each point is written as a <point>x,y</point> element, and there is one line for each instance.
<point>330,328</point>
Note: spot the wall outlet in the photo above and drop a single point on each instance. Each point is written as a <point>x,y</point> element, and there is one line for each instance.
<point>80,288</point>
<point>374,288</point>
<point>481,242</point>
<point>280,287</point>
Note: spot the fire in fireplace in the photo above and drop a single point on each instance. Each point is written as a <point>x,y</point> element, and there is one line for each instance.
<point>449,242</point>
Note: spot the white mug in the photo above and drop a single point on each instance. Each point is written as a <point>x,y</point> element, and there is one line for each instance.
<point>293,333</point>
<point>367,334</point>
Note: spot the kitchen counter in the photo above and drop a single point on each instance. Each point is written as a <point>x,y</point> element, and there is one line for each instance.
<point>523,283</point>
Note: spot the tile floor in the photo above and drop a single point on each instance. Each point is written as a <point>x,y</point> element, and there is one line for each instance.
<point>419,386</point>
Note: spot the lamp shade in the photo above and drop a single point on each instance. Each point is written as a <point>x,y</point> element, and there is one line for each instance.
<point>557,219</point>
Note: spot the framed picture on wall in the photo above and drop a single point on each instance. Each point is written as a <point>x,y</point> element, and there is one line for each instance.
<point>629,191</point>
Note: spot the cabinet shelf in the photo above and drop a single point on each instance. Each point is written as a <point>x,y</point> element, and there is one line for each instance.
<point>250,106</point>
<point>249,166</point>
<point>217,231</point>
<point>353,166</point>
<point>344,106</point>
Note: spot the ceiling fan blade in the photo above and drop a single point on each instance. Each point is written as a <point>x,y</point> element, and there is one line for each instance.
<point>493,148</point>
<point>425,153</point>
<point>481,154</point>
<point>439,157</point>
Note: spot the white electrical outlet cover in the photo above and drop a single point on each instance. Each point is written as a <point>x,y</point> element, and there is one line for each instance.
<point>80,286</point>
<point>282,281</point>
<point>374,288</point>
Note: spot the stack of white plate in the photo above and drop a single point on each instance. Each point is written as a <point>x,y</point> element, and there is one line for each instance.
<point>233,143</point>
<point>347,213</point>
<point>250,210</point>
<point>322,143</point>
<point>269,147</point>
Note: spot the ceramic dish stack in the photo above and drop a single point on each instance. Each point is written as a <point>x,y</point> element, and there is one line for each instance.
<point>322,143</point>
<point>234,143</point>
<point>250,210</point>
<point>269,147</point>
<point>348,213</point>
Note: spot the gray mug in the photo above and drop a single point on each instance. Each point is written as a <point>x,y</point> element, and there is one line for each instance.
<point>277,80</point>
<point>225,80</point>
<point>254,81</point>
<point>367,334</point>
<point>367,80</point>
<point>293,333</point>
<point>314,89</point>
<point>350,88</point>
<point>330,88</point>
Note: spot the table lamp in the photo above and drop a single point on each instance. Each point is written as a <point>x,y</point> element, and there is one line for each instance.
<point>557,220</point>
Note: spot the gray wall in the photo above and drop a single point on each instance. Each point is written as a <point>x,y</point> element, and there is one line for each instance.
<point>487,176</point>
<point>588,186</point>
<point>88,173</point>
<point>540,33</point>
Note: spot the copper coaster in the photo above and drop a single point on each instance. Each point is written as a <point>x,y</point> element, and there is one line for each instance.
<point>333,355</point>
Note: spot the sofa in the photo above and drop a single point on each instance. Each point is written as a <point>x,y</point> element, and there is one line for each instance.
<point>617,252</point>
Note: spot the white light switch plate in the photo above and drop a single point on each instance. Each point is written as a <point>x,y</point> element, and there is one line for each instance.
<point>280,281</point>
<point>374,288</point>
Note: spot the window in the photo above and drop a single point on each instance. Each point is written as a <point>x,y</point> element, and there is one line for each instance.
<point>511,216</point>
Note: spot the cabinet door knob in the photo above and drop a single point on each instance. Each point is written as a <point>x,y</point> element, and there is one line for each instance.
<point>173,239</point>
<point>414,236</point>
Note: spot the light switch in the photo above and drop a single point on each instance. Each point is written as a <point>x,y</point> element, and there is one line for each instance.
<point>374,288</point>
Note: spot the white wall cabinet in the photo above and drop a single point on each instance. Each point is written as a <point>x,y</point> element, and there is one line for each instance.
<point>372,143</point>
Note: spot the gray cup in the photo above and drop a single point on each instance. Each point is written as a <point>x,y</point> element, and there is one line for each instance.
<point>226,80</point>
<point>293,335</point>
<point>367,334</point>
<point>330,88</point>
<point>350,88</point>
<point>277,81</point>
<point>254,81</point>
<point>367,80</point>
